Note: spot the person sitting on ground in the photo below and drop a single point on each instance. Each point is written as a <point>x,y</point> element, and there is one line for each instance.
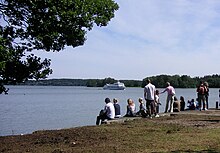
<point>117,108</point>
<point>130,109</point>
<point>182,103</point>
<point>142,110</point>
<point>191,104</point>
<point>176,105</point>
<point>107,113</point>
<point>197,104</point>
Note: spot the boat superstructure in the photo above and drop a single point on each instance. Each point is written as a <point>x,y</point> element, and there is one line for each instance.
<point>115,86</point>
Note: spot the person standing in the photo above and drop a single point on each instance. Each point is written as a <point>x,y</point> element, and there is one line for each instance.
<point>170,97</point>
<point>149,96</point>
<point>157,103</point>
<point>107,113</point>
<point>201,90</point>
<point>207,94</point>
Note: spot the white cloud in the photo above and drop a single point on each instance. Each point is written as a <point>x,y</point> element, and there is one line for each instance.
<point>148,37</point>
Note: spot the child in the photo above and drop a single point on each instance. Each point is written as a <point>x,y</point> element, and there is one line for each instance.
<point>157,103</point>
<point>142,110</point>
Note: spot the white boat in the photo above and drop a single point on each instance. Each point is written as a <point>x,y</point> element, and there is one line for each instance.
<point>115,86</point>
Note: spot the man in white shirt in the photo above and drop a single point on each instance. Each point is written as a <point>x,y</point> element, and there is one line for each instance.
<point>149,95</point>
<point>107,113</point>
<point>110,109</point>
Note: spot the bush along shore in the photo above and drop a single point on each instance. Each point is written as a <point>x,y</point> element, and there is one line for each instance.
<point>187,131</point>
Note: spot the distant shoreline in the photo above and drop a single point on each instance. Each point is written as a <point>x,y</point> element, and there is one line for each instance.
<point>159,81</point>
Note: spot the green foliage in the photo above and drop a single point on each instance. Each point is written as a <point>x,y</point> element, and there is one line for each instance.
<point>50,25</point>
<point>132,83</point>
<point>44,25</point>
<point>82,82</point>
<point>159,81</point>
<point>183,81</point>
<point>102,82</point>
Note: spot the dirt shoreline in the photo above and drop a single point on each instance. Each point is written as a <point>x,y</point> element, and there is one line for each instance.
<point>117,137</point>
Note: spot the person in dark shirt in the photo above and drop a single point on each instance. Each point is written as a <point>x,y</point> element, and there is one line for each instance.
<point>207,94</point>
<point>117,108</point>
<point>142,110</point>
<point>182,103</point>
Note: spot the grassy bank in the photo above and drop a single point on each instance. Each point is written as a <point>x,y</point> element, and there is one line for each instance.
<point>177,133</point>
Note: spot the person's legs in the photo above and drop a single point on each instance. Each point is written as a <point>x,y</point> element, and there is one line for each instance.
<point>157,108</point>
<point>148,107</point>
<point>98,119</point>
<point>143,113</point>
<point>102,116</point>
<point>204,103</point>
<point>200,102</point>
<point>153,108</point>
<point>167,103</point>
<point>171,103</point>
<point>207,101</point>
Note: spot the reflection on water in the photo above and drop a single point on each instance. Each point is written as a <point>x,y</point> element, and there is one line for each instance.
<point>29,108</point>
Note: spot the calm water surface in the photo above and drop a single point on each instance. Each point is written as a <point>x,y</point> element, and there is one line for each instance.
<point>29,108</point>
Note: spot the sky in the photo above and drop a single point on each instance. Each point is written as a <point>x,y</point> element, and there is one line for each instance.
<point>147,38</point>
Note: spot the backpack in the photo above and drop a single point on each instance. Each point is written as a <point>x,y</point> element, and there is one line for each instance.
<point>201,90</point>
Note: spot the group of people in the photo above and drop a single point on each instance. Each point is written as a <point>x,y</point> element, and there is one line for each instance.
<point>202,99</point>
<point>151,96</point>
<point>203,94</point>
<point>110,111</point>
<point>113,111</point>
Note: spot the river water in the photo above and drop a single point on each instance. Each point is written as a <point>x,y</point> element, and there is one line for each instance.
<point>30,108</point>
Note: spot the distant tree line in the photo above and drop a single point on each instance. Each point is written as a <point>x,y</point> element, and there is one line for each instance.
<point>159,81</point>
<point>81,82</point>
<point>183,81</point>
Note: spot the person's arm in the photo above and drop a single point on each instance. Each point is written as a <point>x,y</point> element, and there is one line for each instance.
<point>145,94</point>
<point>164,90</point>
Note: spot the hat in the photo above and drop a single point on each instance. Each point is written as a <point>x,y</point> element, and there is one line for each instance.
<point>107,100</point>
